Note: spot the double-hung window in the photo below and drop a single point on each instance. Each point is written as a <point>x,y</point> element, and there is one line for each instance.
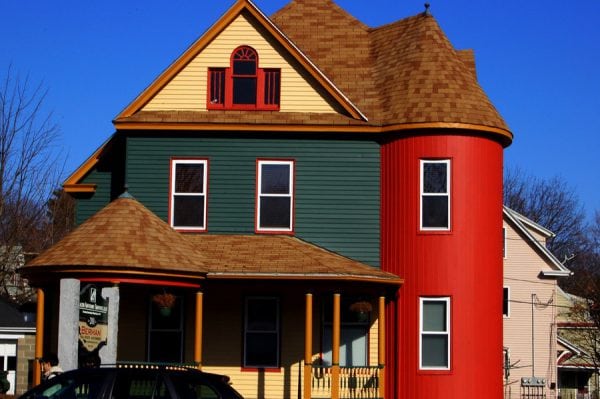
<point>261,332</point>
<point>434,340</point>
<point>435,194</point>
<point>188,194</point>
<point>275,203</point>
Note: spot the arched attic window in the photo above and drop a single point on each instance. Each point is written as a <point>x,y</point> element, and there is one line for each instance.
<point>243,85</point>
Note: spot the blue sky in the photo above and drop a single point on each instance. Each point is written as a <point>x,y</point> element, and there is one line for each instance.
<point>538,61</point>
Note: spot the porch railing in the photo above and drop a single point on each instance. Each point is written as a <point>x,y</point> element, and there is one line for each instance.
<point>355,382</point>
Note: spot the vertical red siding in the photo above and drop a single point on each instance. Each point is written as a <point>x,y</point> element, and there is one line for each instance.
<point>464,264</point>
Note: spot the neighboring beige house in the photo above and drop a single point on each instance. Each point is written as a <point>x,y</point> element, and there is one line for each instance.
<point>530,290</point>
<point>577,375</point>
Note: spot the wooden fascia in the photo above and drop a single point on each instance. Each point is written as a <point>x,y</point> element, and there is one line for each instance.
<point>211,34</point>
<point>504,135</point>
<point>290,277</point>
<point>72,183</point>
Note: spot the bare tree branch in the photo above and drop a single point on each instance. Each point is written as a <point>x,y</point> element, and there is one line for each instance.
<point>30,170</point>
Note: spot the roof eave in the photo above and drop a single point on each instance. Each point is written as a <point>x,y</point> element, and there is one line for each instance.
<point>561,270</point>
<point>557,273</point>
<point>305,276</point>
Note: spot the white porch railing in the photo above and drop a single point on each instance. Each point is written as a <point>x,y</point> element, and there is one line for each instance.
<point>355,382</point>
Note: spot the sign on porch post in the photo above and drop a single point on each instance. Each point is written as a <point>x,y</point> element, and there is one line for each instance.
<point>93,325</point>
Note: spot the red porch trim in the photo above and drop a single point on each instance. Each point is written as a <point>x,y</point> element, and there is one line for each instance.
<point>139,281</point>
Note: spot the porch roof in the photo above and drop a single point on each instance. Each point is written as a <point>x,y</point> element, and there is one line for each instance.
<point>123,237</point>
<point>126,238</point>
<point>280,257</point>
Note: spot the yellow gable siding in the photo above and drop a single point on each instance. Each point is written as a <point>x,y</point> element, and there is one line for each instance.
<point>187,90</point>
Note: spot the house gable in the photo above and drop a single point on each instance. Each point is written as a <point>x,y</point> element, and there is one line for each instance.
<point>529,233</point>
<point>187,91</point>
<point>243,24</point>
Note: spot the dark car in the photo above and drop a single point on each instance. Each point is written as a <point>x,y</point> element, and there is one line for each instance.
<point>135,381</point>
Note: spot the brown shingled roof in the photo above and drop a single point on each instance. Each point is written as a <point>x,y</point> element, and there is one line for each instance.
<point>401,76</point>
<point>406,72</point>
<point>123,235</point>
<point>284,257</point>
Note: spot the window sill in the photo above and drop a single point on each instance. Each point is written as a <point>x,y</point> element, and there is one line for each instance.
<point>189,230</point>
<point>217,107</point>
<point>435,371</point>
<point>275,232</point>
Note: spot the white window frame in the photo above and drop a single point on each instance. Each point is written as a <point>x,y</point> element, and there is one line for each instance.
<point>276,331</point>
<point>445,194</point>
<point>260,195</point>
<point>446,333</point>
<point>507,314</point>
<point>173,193</point>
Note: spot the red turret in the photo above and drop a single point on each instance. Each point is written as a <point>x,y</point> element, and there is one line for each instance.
<point>441,218</point>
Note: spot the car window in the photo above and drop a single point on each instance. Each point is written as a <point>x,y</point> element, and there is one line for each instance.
<point>193,388</point>
<point>139,385</point>
<point>70,386</point>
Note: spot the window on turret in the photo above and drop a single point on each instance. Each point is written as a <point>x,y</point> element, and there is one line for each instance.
<point>434,340</point>
<point>435,194</point>
<point>243,85</point>
<point>187,210</point>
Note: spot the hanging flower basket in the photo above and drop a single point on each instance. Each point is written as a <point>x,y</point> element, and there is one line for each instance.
<point>165,302</point>
<point>361,307</point>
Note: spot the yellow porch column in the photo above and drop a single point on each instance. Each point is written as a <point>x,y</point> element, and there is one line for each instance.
<point>39,337</point>
<point>198,330</point>
<point>308,331</point>
<point>335,349</point>
<point>381,346</point>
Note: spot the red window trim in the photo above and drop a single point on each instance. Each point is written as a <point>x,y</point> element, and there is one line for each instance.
<point>261,81</point>
<point>259,230</point>
<point>259,369</point>
<point>170,209</point>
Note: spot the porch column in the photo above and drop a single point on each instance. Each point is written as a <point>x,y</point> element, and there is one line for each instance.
<point>68,323</point>
<point>198,330</point>
<point>335,349</point>
<point>381,346</point>
<point>308,331</point>
<point>39,337</point>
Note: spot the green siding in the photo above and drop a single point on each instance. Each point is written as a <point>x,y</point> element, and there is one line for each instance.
<point>88,206</point>
<point>107,175</point>
<point>336,193</point>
